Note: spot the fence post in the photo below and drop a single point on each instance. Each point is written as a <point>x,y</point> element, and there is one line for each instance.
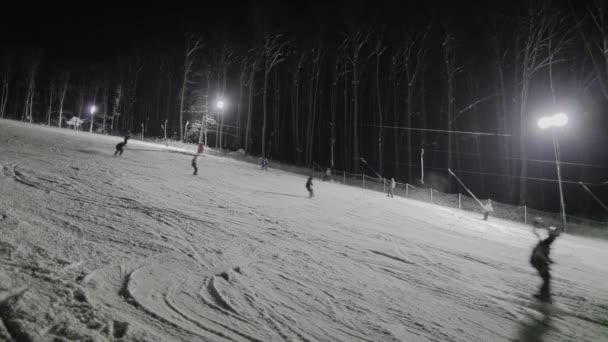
<point>384,185</point>
<point>343,177</point>
<point>525,214</point>
<point>364,181</point>
<point>459,201</point>
<point>431,195</point>
<point>407,190</point>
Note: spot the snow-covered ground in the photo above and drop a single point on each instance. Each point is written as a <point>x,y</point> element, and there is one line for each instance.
<point>94,247</point>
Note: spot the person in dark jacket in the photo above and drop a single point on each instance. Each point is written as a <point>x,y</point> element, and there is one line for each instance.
<point>194,164</point>
<point>119,146</point>
<point>540,260</point>
<point>309,187</point>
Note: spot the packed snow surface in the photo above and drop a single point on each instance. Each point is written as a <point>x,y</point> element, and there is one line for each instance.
<point>136,248</point>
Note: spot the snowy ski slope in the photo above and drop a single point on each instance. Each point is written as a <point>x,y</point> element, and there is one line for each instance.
<point>135,248</point>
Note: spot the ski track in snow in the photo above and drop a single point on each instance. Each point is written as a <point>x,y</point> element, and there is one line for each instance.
<point>136,248</point>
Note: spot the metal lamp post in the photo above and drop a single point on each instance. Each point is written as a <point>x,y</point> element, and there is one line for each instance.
<point>553,122</point>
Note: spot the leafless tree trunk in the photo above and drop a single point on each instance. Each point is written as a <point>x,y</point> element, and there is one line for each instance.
<point>413,56</point>
<point>596,43</point>
<point>353,45</point>
<point>65,80</point>
<point>4,95</point>
<point>448,59</point>
<point>225,61</point>
<point>378,51</point>
<point>254,66</point>
<point>333,109</point>
<point>50,109</point>
<point>395,74</point>
<point>105,108</point>
<point>295,106</point>
<point>502,109</point>
<point>116,106</point>
<point>312,102</point>
<point>273,55</point>
<point>193,45</point>
<point>31,90</point>
<point>239,106</point>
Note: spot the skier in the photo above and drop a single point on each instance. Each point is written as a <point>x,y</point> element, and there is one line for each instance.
<point>327,175</point>
<point>309,187</point>
<point>119,146</point>
<point>540,260</point>
<point>194,164</point>
<point>264,164</point>
<point>391,189</point>
<point>487,209</point>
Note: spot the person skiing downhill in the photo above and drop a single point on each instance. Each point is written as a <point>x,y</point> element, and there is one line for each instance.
<point>540,260</point>
<point>391,189</point>
<point>487,209</point>
<point>309,187</point>
<point>327,175</point>
<point>119,146</point>
<point>264,164</point>
<point>194,165</point>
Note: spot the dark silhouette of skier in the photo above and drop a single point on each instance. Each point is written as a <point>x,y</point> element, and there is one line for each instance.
<point>309,187</point>
<point>119,146</point>
<point>540,260</point>
<point>194,164</point>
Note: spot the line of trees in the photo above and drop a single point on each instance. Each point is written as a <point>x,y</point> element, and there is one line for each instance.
<point>339,98</point>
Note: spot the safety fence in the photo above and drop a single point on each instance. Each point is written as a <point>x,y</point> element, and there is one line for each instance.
<point>510,212</point>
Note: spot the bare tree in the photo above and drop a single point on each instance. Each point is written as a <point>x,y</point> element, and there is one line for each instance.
<point>273,55</point>
<point>251,81</point>
<point>295,105</point>
<point>450,69</point>
<point>193,45</point>
<point>396,71</point>
<point>596,41</point>
<point>63,88</point>
<point>104,105</point>
<point>5,76</point>
<point>539,28</point>
<point>4,94</point>
<point>226,58</point>
<point>333,109</point>
<point>50,109</point>
<point>353,44</point>
<point>379,49</point>
<point>116,106</point>
<point>239,106</point>
<point>31,90</point>
<point>313,88</point>
<point>413,54</point>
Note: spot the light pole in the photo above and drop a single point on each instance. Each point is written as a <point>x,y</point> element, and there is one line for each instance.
<point>220,104</point>
<point>93,110</point>
<point>552,123</point>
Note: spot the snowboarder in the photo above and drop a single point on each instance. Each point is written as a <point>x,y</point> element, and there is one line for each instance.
<point>540,260</point>
<point>327,175</point>
<point>391,189</point>
<point>119,146</point>
<point>194,164</point>
<point>487,209</point>
<point>309,187</point>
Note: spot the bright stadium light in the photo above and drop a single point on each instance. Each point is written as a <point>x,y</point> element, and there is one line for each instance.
<point>220,104</point>
<point>93,109</point>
